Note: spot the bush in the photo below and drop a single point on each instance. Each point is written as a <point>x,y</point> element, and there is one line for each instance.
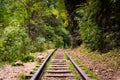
<point>100,28</point>
<point>27,57</point>
<point>90,34</point>
<point>89,30</point>
<point>1,47</point>
<point>40,44</point>
<point>15,41</point>
<point>50,45</point>
<point>63,38</point>
<point>58,41</point>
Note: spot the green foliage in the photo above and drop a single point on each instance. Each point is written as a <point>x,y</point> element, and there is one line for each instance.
<point>50,45</point>
<point>99,24</point>
<point>15,41</point>
<point>66,38</point>
<point>1,47</point>
<point>90,34</point>
<point>30,26</point>
<point>58,41</point>
<point>89,30</point>
<point>29,57</point>
<point>40,44</point>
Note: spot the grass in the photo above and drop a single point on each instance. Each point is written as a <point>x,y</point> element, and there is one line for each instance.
<point>111,58</point>
<point>108,60</point>
<point>28,57</point>
<point>87,71</point>
<point>78,62</point>
<point>77,76</point>
<point>21,76</point>
<point>3,63</point>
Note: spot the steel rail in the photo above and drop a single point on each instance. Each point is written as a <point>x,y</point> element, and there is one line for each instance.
<point>37,75</point>
<point>80,71</point>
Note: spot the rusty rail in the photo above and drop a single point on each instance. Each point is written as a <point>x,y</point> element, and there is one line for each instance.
<point>37,75</point>
<point>80,71</point>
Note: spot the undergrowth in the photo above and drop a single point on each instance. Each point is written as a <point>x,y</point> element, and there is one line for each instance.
<point>111,58</point>
<point>30,57</point>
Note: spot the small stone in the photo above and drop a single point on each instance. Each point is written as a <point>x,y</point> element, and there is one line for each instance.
<point>96,71</point>
<point>1,78</point>
<point>40,58</point>
<point>18,63</point>
<point>110,70</point>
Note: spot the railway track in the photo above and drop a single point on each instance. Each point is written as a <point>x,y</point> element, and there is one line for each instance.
<point>58,68</point>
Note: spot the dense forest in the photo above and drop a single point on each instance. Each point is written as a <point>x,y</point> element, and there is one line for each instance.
<point>95,23</point>
<point>35,25</point>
